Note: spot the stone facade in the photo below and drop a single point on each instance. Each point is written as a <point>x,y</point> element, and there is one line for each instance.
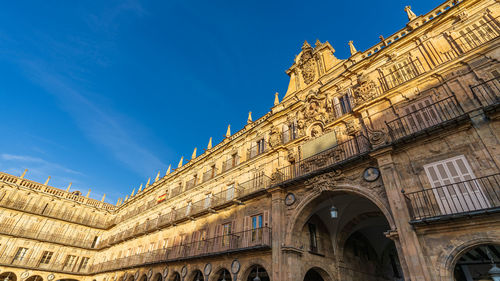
<point>382,166</point>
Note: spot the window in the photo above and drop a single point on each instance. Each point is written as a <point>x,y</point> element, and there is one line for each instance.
<point>454,186</point>
<point>165,243</point>
<point>420,115</point>
<point>203,236</point>
<point>313,239</point>
<point>46,256</point>
<point>226,232</point>
<point>261,146</point>
<point>188,208</point>
<point>256,228</point>
<point>70,261</point>
<point>230,192</point>
<point>151,246</point>
<point>208,199</point>
<point>212,171</point>
<point>234,160</point>
<point>95,241</point>
<point>83,263</point>
<point>345,104</point>
<point>20,254</point>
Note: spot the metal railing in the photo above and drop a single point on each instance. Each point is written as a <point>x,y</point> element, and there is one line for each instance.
<point>23,232</point>
<point>246,240</point>
<point>210,174</point>
<point>476,35</point>
<point>487,93</point>
<point>35,263</point>
<point>74,217</point>
<point>401,72</point>
<point>191,183</point>
<point>425,117</point>
<point>230,163</point>
<point>468,197</point>
<point>339,153</point>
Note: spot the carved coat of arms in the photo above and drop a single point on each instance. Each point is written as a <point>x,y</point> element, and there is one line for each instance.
<point>306,64</point>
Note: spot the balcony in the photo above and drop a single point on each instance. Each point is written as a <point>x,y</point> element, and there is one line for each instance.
<point>466,198</point>
<point>22,232</point>
<point>340,153</point>
<point>210,174</point>
<point>35,264</point>
<point>191,183</point>
<point>487,94</point>
<point>426,119</point>
<point>230,163</point>
<point>255,239</point>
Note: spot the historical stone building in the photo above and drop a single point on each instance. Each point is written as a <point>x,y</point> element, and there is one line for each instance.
<point>381,166</point>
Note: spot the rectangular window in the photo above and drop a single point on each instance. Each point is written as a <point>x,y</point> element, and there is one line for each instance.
<point>83,264</point>
<point>261,146</point>
<point>345,104</point>
<point>226,233</point>
<point>46,256</point>
<point>420,115</point>
<point>455,187</point>
<point>257,228</point>
<point>230,192</point>
<point>69,262</point>
<point>203,236</point>
<point>208,199</point>
<point>234,160</point>
<point>20,254</point>
<point>313,239</point>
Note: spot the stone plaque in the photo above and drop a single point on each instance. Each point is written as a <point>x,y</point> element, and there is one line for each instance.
<point>320,144</point>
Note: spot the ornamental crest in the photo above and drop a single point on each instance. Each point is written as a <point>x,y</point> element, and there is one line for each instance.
<point>365,90</point>
<point>306,64</point>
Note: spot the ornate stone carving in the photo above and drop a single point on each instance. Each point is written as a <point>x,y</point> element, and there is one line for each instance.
<point>323,181</point>
<point>316,131</point>
<point>274,137</point>
<point>377,137</point>
<point>365,90</point>
<point>352,127</point>
<point>291,155</point>
<point>307,65</point>
<point>313,110</point>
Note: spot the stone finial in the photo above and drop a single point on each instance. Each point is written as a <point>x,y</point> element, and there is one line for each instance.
<point>148,183</point>
<point>126,198</point>
<point>276,99</point>
<point>118,201</point>
<point>140,188</point>
<point>69,186</point>
<point>306,45</point>
<point>249,119</point>
<point>88,193</point>
<point>194,154</point>
<point>24,173</point>
<point>410,13</point>
<point>168,170</point>
<point>352,48</point>
<point>209,146</point>
<point>103,196</point>
<point>180,162</point>
<point>157,176</point>
<point>228,132</point>
<point>133,192</point>
<point>47,181</point>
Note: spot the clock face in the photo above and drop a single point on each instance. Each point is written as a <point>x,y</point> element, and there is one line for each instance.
<point>289,199</point>
<point>371,174</point>
<point>208,269</point>
<point>235,266</point>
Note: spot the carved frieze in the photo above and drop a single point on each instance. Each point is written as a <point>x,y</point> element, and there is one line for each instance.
<point>364,91</point>
<point>274,136</point>
<point>324,181</point>
<point>307,65</point>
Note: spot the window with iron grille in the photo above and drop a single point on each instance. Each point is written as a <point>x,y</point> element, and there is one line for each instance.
<point>313,239</point>
<point>70,261</point>
<point>83,263</point>
<point>20,254</point>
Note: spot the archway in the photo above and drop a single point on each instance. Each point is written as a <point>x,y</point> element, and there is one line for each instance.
<point>158,277</point>
<point>175,276</point>
<point>35,278</point>
<point>131,277</point>
<point>223,275</point>
<point>313,275</point>
<point>478,263</point>
<point>144,277</point>
<point>257,273</point>
<point>196,275</point>
<point>8,276</point>
<point>345,229</point>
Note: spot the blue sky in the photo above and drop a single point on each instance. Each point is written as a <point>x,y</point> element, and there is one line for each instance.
<point>105,94</point>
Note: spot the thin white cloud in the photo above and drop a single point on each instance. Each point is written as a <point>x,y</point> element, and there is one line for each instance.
<point>29,161</point>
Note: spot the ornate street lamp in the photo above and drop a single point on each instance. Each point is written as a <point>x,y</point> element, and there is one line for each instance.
<point>257,278</point>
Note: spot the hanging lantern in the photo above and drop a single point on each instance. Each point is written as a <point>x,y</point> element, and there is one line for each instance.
<point>334,212</point>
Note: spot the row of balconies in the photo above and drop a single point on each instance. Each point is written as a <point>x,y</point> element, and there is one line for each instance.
<point>232,195</point>
<point>37,264</point>
<point>253,239</point>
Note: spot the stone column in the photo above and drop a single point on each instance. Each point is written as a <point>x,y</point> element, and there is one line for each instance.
<point>412,253</point>
<point>278,232</point>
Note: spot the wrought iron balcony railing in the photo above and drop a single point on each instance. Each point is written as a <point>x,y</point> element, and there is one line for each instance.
<point>425,118</point>
<point>253,239</point>
<point>230,195</point>
<point>341,152</point>
<point>23,232</point>
<point>487,94</point>
<point>35,263</point>
<point>470,197</point>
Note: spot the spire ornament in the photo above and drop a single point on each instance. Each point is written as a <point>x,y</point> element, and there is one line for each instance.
<point>180,162</point>
<point>276,99</point>
<point>352,48</point>
<point>249,119</point>
<point>24,173</point>
<point>228,132</point>
<point>209,146</point>
<point>194,154</point>
<point>47,181</point>
<point>157,176</point>
<point>168,170</point>
<point>410,13</point>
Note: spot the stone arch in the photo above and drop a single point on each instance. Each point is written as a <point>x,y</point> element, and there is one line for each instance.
<point>195,273</point>
<point>11,276</point>
<point>447,260</point>
<point>157,277</point>
<point>248,271</point>
<point>175,276</point>
<point>299,217</point>
<point>321,272</point>
<point>214,276</point>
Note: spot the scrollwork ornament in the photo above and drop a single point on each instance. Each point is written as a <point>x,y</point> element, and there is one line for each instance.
<point>377,137</point>
<point>325,180</point>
